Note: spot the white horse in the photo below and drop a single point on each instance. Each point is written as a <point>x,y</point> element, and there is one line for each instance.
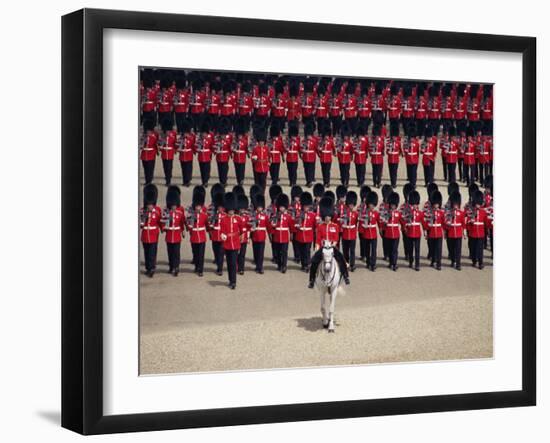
<point>328,282</point>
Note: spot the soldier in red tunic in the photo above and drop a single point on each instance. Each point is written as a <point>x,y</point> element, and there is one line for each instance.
<point>390,219</point>
<point>281,225</point>
<point>364,107</point>
<point>412,220</point>
<point>455,222</point>
<point>336,103</point>
<point>239,149</point>
<point>328,231</point>
<point>304,225</point>
<point>186,149</point>
<point>149,150</point>
<point>411,151</point>
<point>258,228</point>
<point>173,225</point>
<point>294,209</point>
<point>215,215</point>
<point>260,156</point>
<point>360,152</point>
<point>469,150</point>
<point>428,150</point>
<point>322,104</point>
<point>326,151</point>
<point>292,153</point>
<point>242,207</point>
<point>450,145</point>
<point>181,100</point>
<point>344,150</point>
<point>204,146</point>
<point>196,222</point>
<point>394,152</point>
<point>166,101</point>
<point>294,109</point>
<point>148,96</point>
<point>245,103</point>
<point>477,223</point>
<point>231,231</point>
<point>308,152</point>
<point>279,106</point>
<point>276,147</point>
<point>369,219</point>
<point>223,144</point>
<point>348,228</point>
<point>376,153</point>
<point>167,147</point>
<point>434,219</point>
<point>150,224</point>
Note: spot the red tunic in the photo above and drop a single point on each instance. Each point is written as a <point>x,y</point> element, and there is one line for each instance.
<point>308,105</point>
<point>368,222</point>
<point>393,149</point>
<point>149,102</point>
<point>263,105</point>
<point>260,158</point>
<point>203,147</point>
<point>470,152</point>
<point>477,222</point>
<point>259,226</point>
<point>421,108</point>
<point>150,224</point>
<point>240,149</point>
<point>361,149</point>
<point>433,222</point>
<point>245,228</point>
<point>166,101</point>
<point>322,108</point>
<point>327,231</point>
<point>390,227</point>
<point>187,147</point>
<point>279,107</point>
<point>345,151</point>
<point>304,224</point>
<point>336,105</point>
<point>168,150</point>
<point>214,226</point>
<point>223,146</point>
<point>455,221</point>
<point>149,149</point>
<point>230,232</point>
<point>281,227</point>
<point>349,224</point>
<point>276,149</point>
<point>411,150</point>
<point>377,150</point>
<point>429,151</point>
<point>350,108</point>
<point>246,104</point>
<point>412,226</point>
<point>408,107</point>
<point>294,109</point>
<point>229,105</point>
<point>196,224</point>
<point>173,224</point>
<point>326,149</point>
<point>181,101</point>
<point>293,149</point>
<point>215,103</point>
<point>365,107</point>
<point>434,108</point>
<point>474,110</point>
<point>394,109</point>
<point>308,149</point>
<point>198,102</point>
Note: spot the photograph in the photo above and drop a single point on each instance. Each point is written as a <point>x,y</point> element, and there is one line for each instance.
<point>299,220</point>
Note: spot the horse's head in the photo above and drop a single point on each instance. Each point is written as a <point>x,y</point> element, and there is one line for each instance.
<point>328,254</point>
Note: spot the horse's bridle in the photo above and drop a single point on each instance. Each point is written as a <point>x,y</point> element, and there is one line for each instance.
<point>334,264</point>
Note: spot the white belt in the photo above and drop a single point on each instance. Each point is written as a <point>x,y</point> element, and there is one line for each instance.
<point>305,229</point>
<point>308,152</point>
<point>186,150</point>
<point>149,228</point>
<point>411,153</point>
<point>436,225</point>
<point>326,152</point>
<point>413,224</point>
<point>198,229</point>
<point>392,224</point>
<point>348,226</point>
<point>217,228</point>
<point>172,228</point>
<point>275,152</point>
<point>469,153</point>
<point>167,148</point>
<point>371,226</point>
<point>260,229</point>
<point>281,229</point>
<point>478,223</point>
<point>148,149</point>
<point>456,224</point>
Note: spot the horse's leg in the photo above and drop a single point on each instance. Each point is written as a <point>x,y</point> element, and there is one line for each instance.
<point>333,292</point>
<point>324,312</point>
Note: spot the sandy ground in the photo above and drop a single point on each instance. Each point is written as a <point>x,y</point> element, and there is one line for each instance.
<point>197,324</point>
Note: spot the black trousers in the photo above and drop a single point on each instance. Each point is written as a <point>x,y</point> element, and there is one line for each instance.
<point>309,172</point>
<point>451,172</point>
<point>258,249</point>
<point>348,250</point>
<point>445,170</point>
<point>428,173</point>
<point>460,169</point>
<point>150,254</point>
<point>392,167</point>
<point>292,168</point>
<point>217,249</point>
<point>186,172</point>
<point>467,173</point>
<point>149,115</point>
<point>223,169</point>
<point>180,118</point>
<point>344,173</point>
<point>370,251</point>
<point>435,245</point>
<point>377,174</point>
<point>360,172</point>
<point>477,250</point>
<point>198,255</point>
<point>148,170</point>
<point>365,122</point>
<point>407,246</point>
<point>231,258</point>
<point>205,172</point>
<point>296,250</point>
<point>455,246</point>
<point>281,254</point>
<point>242,256</point>
<point>482,172</point>
<point>173,250</point>
<point>305,254</point>
<point>239,172</point>
<point>336,124</point>
<point>412,171</point>
<point>260,179</point>
<point>393,244</point>
<point>165,120</point>
<point>167,166</point>
<point>415,252</point>
<point>325,170</point>
<point>274,169</point>
<point>385,247</point>
<point>362,248</point>
<point>318,256</point>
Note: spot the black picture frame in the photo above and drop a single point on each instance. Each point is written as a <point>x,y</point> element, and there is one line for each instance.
<point>82,230</point>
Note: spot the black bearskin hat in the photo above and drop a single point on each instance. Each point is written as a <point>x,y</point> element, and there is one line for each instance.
<point>414,198</point>
<point>407,189</point>
<point>262,88</point>
<point>292,129</point>
<point>326,208</point>
<point>309,128</point>
<point>173,196</point>
<point>477,198</point>
<point>258,201</point>
<point>199,193</point>
<point>376,129</point>
<point>282,201</point>
<point>318,190</point>
<point>238,190</point>
<point>274,130</point>
<point>350,87</point>
<point>341,191</point>
<point>148,124</point>
<point>216,188</point>
<point>242,202</point>
<point>230,201</point>
<point>452,187</point>
<point>217,200</point>
<point>386,191</point>
<point>345,130</point>
<point>274,191</point>
<point>255,190</point>
<point>321,89</point>
<point>351,198</point>
<point>394,129</point>
<point>452,131</point>
<point>372,198</point>
<point>436,198</point>
<point>455,198</point>
<point>393,199</point>
<point>295,192</point>
<point>260,134</point>
<point>432,187</point>
<point>150,194</point>
<point>488,182</point>
<point>306,199</point>
<point>364,191</point>
<point>308,85</point>
<point>293,89</point>
<point>279,88</point>
<point>472,188</point>
<point>330,195</point>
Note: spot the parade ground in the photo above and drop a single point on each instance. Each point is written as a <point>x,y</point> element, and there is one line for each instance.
<point>197,324</point>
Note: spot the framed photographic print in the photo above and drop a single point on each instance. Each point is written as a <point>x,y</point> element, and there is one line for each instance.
<point>270,221</point>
